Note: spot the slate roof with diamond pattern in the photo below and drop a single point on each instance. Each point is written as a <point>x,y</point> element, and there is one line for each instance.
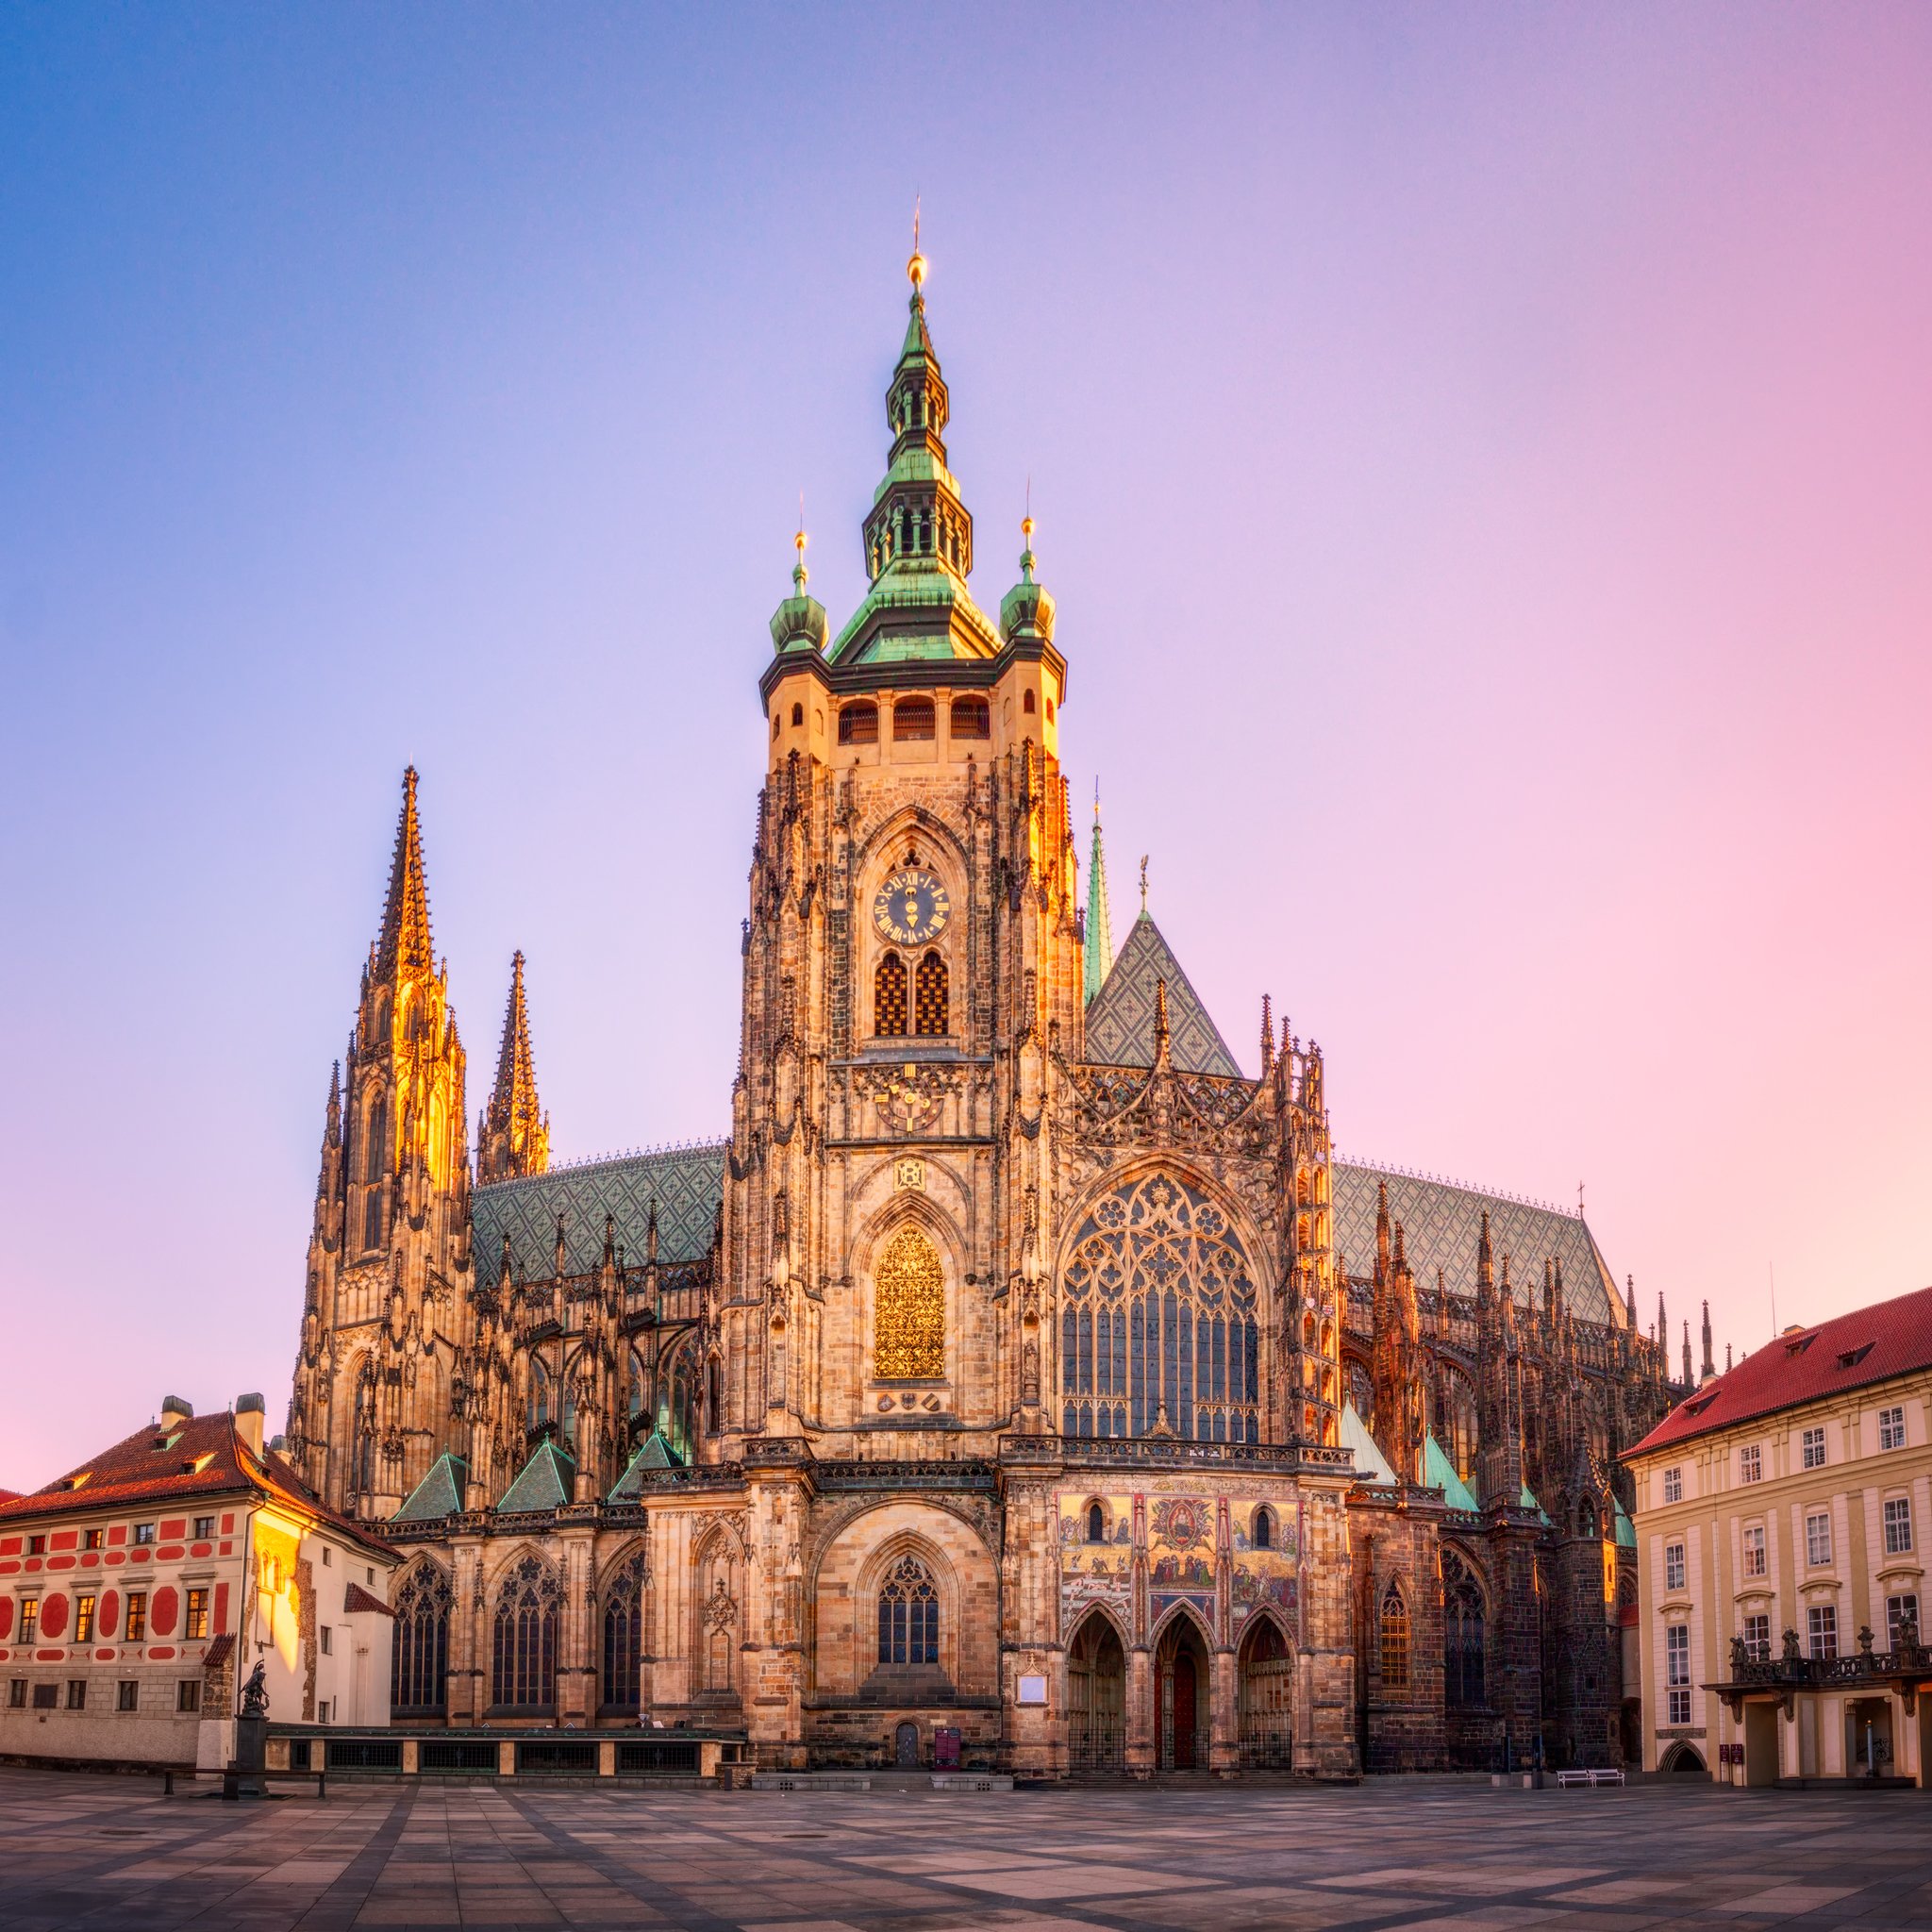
<point>1442,1222</point>
<point>544,1482</point>
<point>1120,1021</point>
<point>687,1183</point>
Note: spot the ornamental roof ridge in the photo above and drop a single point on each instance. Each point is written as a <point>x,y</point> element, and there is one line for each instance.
<point>616,1158</point>
<point>1443,1180</point>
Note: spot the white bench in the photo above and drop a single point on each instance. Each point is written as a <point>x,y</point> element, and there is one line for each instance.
<point>1590,1777</point>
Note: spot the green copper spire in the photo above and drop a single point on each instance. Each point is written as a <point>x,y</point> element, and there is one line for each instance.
<point>918,533</point>
<point>799,623</point>
<point>1099,948</point>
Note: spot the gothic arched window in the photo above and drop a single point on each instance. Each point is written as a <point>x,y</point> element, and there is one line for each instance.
<point>1159,1329</point>
<point>524,1659</point>
<point>929,996</point>
<point>1394,1621</point>
<point>1462,1632</point>
<point>540,1409</point>
<point>624,1636</point>
<point>419,1662</point>
<point>374,1139</point>
<point>371,1218</point>
<point>889,997</point>
<point>909,1310</point>
<point>1096,1523</point>
<point>908,1615</point>
<point>1263,1538</point>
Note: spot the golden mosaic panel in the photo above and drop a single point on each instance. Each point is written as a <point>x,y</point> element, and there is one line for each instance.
<point>909,1310</point>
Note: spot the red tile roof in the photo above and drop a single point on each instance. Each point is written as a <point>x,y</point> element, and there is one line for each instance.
<point>197,1460</point>
<point>1852,1351</point>
<point>357,1598</point>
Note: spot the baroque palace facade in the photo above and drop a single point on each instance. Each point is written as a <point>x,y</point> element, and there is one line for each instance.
<point>1020,1382</point>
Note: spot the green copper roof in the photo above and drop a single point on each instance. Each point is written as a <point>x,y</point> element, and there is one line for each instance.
<point>1527,1501</point>
<point>1625,1530</point>
<point>1439,1472</point>
<point>439,1494</point>
<point>1098,950</point>
<point>654,1452</point>
<point>547,1481</point>
<point>1120,1021</point>
<point>1370,1463</point>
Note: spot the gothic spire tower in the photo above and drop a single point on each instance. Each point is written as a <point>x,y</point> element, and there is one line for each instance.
<point>1098,950</point>
<point>388,1257</point>
<point>513,1131</point>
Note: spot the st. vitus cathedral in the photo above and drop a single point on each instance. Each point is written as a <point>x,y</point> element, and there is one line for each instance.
<point>1019,1383</point>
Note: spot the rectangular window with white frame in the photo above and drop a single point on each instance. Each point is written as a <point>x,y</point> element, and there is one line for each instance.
<point>1892,1428</point>
<point>1901,1612</point>
<point>1677,1671</point>
<point>1751,1464</point>
<point>1754,1550</point>
<point>1898,1525</point>
<point>1814,1448</point>
<point>1821,1623</point>
<point>1757,1637</point>
<point>1674,1486</point>
<point>1818,1540</point>
<point>1674,1566</point>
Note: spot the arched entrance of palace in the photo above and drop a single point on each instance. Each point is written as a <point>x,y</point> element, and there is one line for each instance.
<point>1096,1697</point>
<point>1181,1696</point>
<point>1684,1761</point>
<point>1267,1697</point>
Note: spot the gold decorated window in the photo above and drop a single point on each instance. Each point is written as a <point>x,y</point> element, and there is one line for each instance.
<point>889,997</point>
<point>929,997</point>
<point>909,1310</point>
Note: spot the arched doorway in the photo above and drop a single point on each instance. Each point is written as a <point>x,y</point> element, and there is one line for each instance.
<point>906,1747</point>
<point>1181,1697</point>
<point>1267,1697</point>
<point>1682,1760</point>
<point>1096,1697</point>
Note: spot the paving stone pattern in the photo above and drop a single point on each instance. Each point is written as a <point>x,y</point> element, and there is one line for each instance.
<point>106,1853</point>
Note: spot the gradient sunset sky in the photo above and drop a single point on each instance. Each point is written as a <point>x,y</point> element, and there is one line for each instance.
<point>1483,457</point>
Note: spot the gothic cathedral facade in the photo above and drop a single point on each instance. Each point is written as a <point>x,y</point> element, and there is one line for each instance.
<point>1019,1383</point>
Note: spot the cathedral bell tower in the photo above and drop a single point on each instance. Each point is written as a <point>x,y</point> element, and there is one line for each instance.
<point>911,961</point>
<point>389,1255</point>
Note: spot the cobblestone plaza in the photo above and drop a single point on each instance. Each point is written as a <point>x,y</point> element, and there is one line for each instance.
<point>105,1852</point>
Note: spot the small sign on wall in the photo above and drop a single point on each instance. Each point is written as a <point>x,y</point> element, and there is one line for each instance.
<point>1032,1691</point>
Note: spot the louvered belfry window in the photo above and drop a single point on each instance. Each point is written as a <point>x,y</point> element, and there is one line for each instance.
<point>889,997</point>
<point>929,997</point>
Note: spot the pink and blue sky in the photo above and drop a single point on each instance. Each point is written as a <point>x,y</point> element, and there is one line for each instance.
<point>1483,457</point>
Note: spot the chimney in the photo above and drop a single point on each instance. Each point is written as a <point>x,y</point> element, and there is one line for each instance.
<point>175,1413</point>
<point>249,1420</point>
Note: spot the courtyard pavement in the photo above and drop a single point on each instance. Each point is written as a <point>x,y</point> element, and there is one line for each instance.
<point>108,1853</point>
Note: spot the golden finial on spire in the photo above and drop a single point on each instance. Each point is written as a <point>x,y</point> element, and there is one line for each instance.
<point>799,573</point>
<point>915,268</point>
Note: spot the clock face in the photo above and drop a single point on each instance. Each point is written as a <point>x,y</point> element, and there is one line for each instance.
<point>910,907</point>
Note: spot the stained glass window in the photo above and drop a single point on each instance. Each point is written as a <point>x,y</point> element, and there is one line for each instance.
<point>1394,1640</point>
<point>524,1660</point>
<point>1462,1632</point>
<point>1158,1324</point>
<point>929,996</point>
<point>624,1635</point>
<point>419,1659</point>
<point>909,1616</point>
<point>910,1310</point>
<point>889,997</point>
